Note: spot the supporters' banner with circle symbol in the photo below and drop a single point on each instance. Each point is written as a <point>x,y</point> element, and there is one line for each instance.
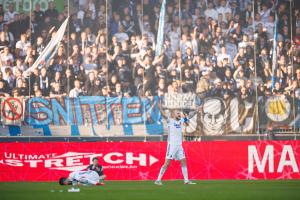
<point>12,111</point>
<point>278,108</point>
<point>278,112</point>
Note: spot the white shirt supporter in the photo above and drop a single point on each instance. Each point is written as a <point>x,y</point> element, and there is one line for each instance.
<point>75,92</point>
<point>212,13</point>
<point>23,47</point>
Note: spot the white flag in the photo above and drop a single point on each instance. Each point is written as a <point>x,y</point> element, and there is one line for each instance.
<point>46,54</point>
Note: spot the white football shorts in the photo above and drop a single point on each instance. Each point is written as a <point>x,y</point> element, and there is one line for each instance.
<point>175,152</point>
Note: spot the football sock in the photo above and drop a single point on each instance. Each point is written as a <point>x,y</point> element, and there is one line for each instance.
<point>185,173</point>
<point>161,173</point>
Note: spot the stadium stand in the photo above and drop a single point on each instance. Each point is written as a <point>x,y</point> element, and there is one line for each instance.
<point>221,49</point>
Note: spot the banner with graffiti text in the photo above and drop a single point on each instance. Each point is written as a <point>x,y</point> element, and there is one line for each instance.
<point>96,110</point>
<point>86,116</point>
<point>115,116</point>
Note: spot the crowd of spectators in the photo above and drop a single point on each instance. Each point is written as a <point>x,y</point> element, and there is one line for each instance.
<point>218,48</point>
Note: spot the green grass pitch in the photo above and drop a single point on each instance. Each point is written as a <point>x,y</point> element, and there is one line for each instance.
<point>140,190</point>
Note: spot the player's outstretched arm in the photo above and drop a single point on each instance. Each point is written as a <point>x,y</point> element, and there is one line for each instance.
<point>162,111</point>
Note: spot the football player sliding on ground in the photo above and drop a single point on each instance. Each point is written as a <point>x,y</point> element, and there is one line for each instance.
<point>175,120</point>
<point>81,178</point>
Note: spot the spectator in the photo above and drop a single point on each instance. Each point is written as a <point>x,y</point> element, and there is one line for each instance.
<point>3,91</point>
<point>89,65</point>
<point>10,14</point>
<point>56,90</point>
<point>217,90</point>
<point>44,82</point>
<point>76,91</point>
<point>90,86</point>
<point>277,89</point>
<point>1,10</point>
<point>189,82</point>
<point>39,15</point>
<point>121,35</point>
<point>21,46</point>
<point>6,56</point>
<point>21,88</point>
<point>203,85</point>
<point>6,35</point>
<point>39,46</point>
<point>51,11</point>
<point>243,94</point>
<point>38,93</point>
<point>68,81</point>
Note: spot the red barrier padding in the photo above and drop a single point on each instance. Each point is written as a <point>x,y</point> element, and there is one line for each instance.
<point>142,160</point>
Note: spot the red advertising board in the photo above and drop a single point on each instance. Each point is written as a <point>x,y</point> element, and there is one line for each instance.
<point>142,160</point>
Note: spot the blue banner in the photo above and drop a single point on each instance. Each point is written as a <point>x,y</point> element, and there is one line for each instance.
<point>96,110</point>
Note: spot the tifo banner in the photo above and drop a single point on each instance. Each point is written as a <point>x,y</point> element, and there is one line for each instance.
<point>219,117</point>
<point>142,160</point>
<point>110,116</point>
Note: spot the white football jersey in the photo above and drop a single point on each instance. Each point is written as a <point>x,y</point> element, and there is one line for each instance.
<point>84,175</point>
<point>175,131</point>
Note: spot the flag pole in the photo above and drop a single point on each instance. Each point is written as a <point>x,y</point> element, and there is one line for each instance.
<point>30,28</point>
<point>180,73</point>
<point>106,63</point>
<point>142,43</point>
<point>274,51</point>
<point>255,73</point>
<point>68,54</point>
<point>29,79</point>
<point>292,63</point>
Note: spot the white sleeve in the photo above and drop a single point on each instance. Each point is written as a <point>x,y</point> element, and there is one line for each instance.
<point>71,93</point>
<point>72,175</point>
<point>6,17</point>
<point>18,45</point>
